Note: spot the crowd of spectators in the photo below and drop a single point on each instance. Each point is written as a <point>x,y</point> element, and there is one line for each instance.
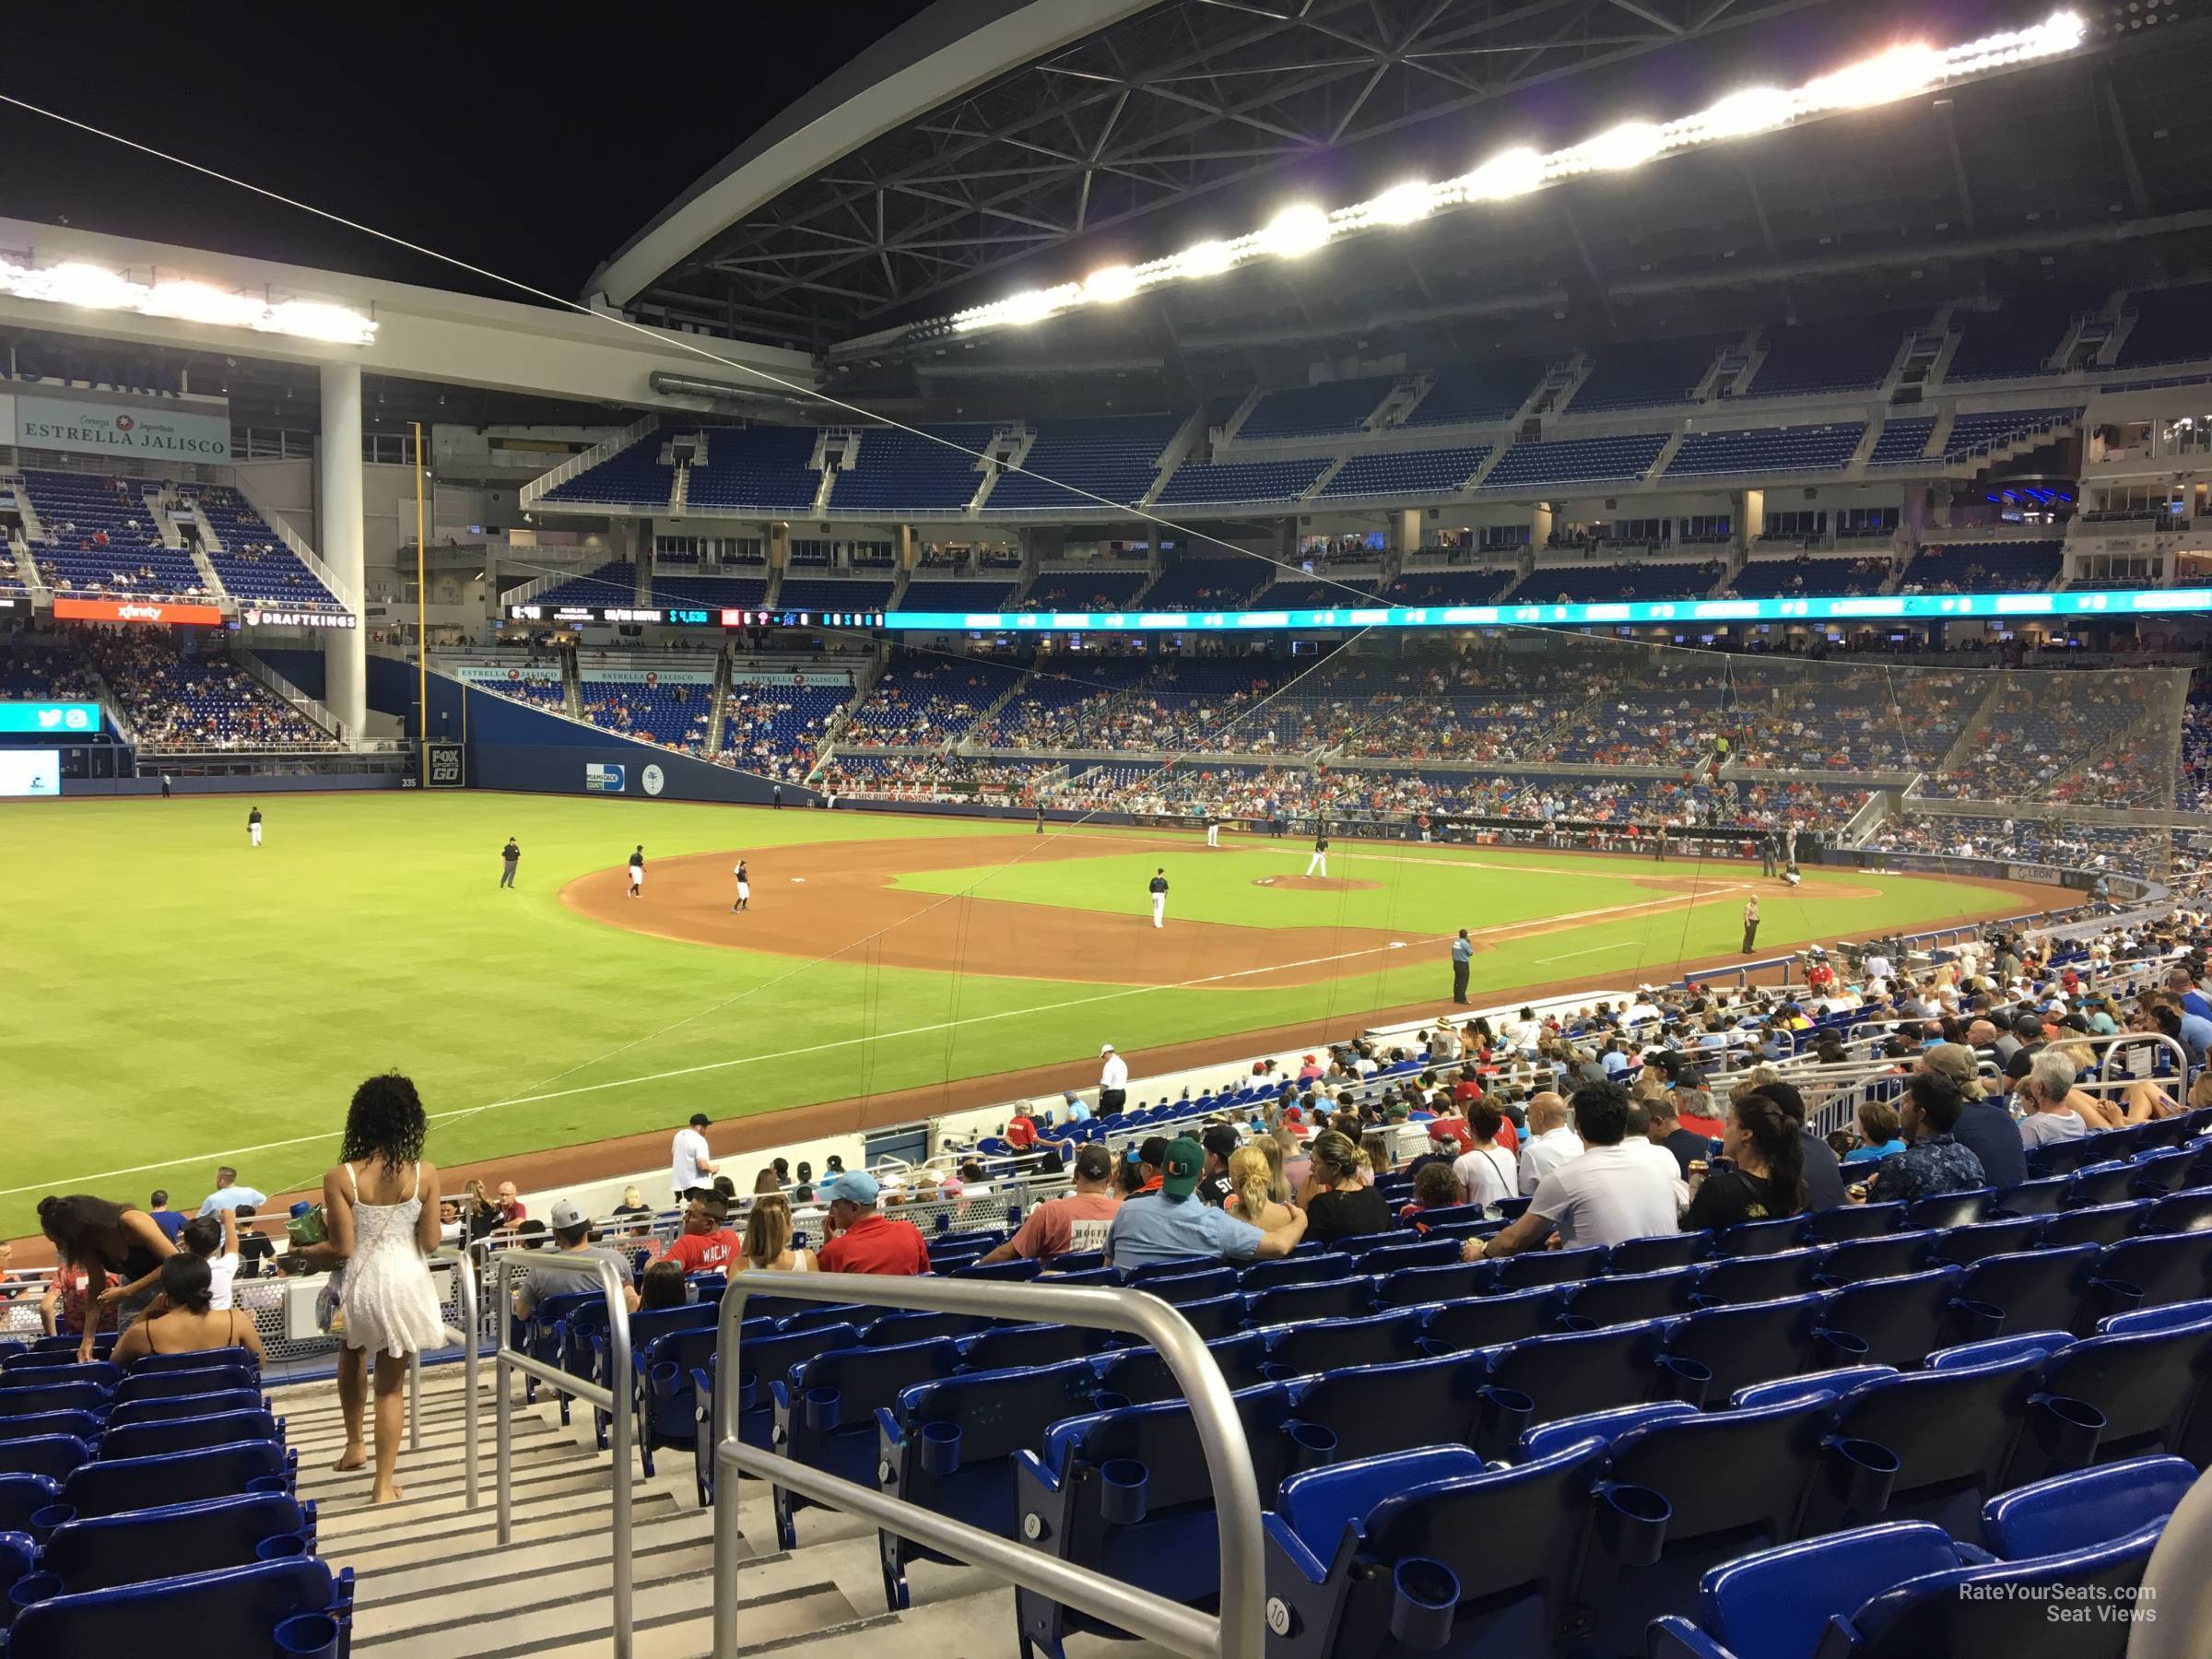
<point>179,700</point>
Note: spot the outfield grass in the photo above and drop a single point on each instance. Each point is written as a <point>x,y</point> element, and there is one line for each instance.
<point>174,996</point>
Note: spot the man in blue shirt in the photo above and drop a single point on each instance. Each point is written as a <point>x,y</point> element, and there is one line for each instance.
<point>1985,1126</point>
<point>1173,1226</point>
<point>228,1195</point>
<point>2184,986</point>
<point>1462,959</point>
<point>2193,1031</point>
<point>170,1222</point>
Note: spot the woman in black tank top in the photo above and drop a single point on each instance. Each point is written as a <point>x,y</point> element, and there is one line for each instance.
<point>120,1249</point>
<point>187,1322</point>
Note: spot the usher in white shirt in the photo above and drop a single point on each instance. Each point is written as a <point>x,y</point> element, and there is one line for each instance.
<point>1114,1073</point>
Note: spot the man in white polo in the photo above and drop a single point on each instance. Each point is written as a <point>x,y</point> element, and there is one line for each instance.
<point>1550,1141</point>
<point>1613,1191</point>
<point>1113,1081</point>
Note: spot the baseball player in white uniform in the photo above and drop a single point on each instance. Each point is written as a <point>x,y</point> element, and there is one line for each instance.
<point>1213,827</point>
<point>1159,886</point>
<point>745,888</point>
<point>1319,863</point>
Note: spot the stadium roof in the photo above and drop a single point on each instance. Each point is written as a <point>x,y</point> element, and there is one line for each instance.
<point>992,134</point>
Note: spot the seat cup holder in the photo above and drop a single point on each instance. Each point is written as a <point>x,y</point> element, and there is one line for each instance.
<point>1576,1322</point>
<point>1842,1348</point>
<point>2119,1295</point>
<point>1107,1400</point>
<point>665,1377</point>
<point>1424,1602</point>
<point>822,1409</point>
<point>2068,1429</point>
<point>1631,1524</point>
<point>1311,1445</point>
<point>44,1521</point>
<point>1686,1380</point>
<point>1121,1482</point>
<point>1861,1472</point>
<point>1505,1416</point>
<point>941,1448</point>
<point>33,1588</point>
<point>1979,1321</point>
<point>268,1483</point>
<point>749,1390</point>
<point>306,1636</point>
<point>282,1546</point>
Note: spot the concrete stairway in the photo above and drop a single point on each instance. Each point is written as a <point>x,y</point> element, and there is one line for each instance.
<point>433,1582</point>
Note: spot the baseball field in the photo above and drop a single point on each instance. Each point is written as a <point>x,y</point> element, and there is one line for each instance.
<point>174,998</point>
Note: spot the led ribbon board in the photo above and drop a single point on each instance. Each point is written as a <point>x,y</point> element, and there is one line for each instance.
<point>1877,607</point>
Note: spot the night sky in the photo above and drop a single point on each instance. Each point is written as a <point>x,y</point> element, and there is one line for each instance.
<point>505,139</point>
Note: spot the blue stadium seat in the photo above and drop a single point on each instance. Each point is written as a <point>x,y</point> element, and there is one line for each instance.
<point>1733,1482</point>
<point>1547,1378</point>
<point>825,1412</point>
<point>2046,1288</point>
<point>23,1496</point>
<point>2044,1195</point>
<point>54,1455</point>
<point>1853,1221</point>
<point>112,1485</point>
<point>1618,1298</point>
<point>1366,1410</point>
<point>1005,1346</point>
<point>189,1434</point>
<point>2182,1213</point>
<point>949,1446</point>
<point>1213,1316</point>
<point>2095,1224</point>
<point>1607,1426</point>
<point>1429,1551</point>
<point>1140,1377</point>
<point>894,1330</point>
<point>1813,1386</point>
<point>666,1411</point>
<point>103,1552</point>
<point>163,1410</point>
<point>1890,1321</point>
<point>2125,1396</point>
<point>1128,1493</point>
<point>2156,1267</point>
<point>58,1396</point>
<point>291,1608</point>
<point>1745,1343</point>
<point>1301,1350</point>
<point>1758,1278</point>
<point>2109,1182</point>
<point>763,1363</point>
<point>1297,1270</point>
<point>217,1358</point>
<point>99,1374</point>
<point>1963,1246</point>
<point>1468,1322</point>
<point>81,1425</point>
<point>1533,1267</point>
<point>1647,1256</point>
<point>1336,1299</point>
<point>1947,1209</point>
<point>1927,1446</point>
<point>2057,1515</point>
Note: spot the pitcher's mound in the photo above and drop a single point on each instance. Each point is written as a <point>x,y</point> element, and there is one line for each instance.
<point>1314,884</point>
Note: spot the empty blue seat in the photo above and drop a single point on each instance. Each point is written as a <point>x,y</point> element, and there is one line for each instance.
<point>1947,1209</point>
<point>1812,1385</point>
<point>1140,1377</point>
<point>1619,1298</point>
<point>100,1374</point>
<point>1925,1446</point>
<point>1005,1347</point>
<point>949,1446</point>
<point>51,1454</point>
<point>1887,1256</point>
<point>189,1434</point>
<point>1853,1221</point>
<point>1297,1270</point>
<point>1892,1321</point>
<point>100,1552</point>
<point>2040,1289</point>
<point>1128,1493</point>
<point>1745,1343</point>
<point>167,1409</point>
<point>1733,1482</point>
<point>2055,1516</point>
<point>1759,1238</point>
<point>760,1364</point>
<point>58,1396</point>
<point>2131,1394</point>
<point>23,1496</point>
<point>1963,1246</point>
<point>1547,1378</point>
<point>1213,1316</point>
<point>1647,1256</point>
<point>2156,1267</point>
<point>664,1406</point>
<point>895,1330</point>
<point>1179,1288</point>
<point>288,1606</point>
<point>1302,1349</point>
<point>1336,1299</point>
<point>1396,1258</point>
<point>2044,1195</point>
<point>1758,1278</point>
<point>220,1358</point>
<point>2110,1182</point>
<point>168,1384</point>
<point>1533,1267</point>
<point>1367,1410</point>
<point>1607,1426</point>
<point>825,1412</point>
<point>2098,1224</point>
<point>1410,1285</point>
<point>2182,1213</point>
<point>112,1485</point>
<point>81,1425</point>
<point>1429,1551</point>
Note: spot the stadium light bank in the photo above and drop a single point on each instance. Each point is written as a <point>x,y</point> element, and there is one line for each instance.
<point>96,288</point>
<point>1300,229</point>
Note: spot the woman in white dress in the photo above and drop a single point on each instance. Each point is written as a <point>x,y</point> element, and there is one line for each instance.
<point>382,1203</point>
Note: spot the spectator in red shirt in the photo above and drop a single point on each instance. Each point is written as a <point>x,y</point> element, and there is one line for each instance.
<point>706,1244</point>
<point>1076,1222</point>
<point>864,1241</point>
<point>1022,1131</point>
<point>1693,1107</point>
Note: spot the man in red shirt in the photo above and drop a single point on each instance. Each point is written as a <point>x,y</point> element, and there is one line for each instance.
<point>1076,1222</point>
<point>864,1241</point>
<point>1022,1131</point>
<point>705,1246</point>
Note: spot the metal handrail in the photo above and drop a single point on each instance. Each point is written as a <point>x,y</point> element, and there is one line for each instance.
<point>464,1284</point>
<point>513,1264</point>
<point>1238,1632</point>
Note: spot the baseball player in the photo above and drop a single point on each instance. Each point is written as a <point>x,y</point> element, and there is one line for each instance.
<point>1213,827</point>
<point>637,872</point>
<point>745,888</point>
<point>510,855</point>
<point>253,827</point>
<point>1160,898</point>
<point>1319,863</point>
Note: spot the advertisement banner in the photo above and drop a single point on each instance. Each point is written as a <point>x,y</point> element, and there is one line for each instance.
<point>482,675</point>
<point>86,426</point>
<point>284,619</point>
<point>80,719</point>
<point>30,772</point>
<point>443,766</point>
<point>602,778</point>
<point>133,610</point>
